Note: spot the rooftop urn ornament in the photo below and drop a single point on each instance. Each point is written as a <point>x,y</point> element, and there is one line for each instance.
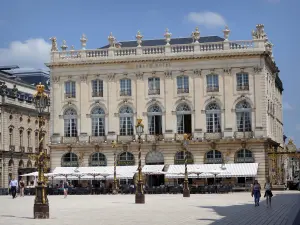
<point>196,35</point>
<point>54,44</point>
<point>259,33</point>
<point>226,32</point>
<point>83,41</point>
<point>72,48</point>
<point>139,37</point>
<point>64,45</point>
<point>167,36</point>
<point>111,40</point>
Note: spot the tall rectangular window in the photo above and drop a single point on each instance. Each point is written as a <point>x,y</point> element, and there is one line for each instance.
<point>242,82</point>
<point>36,139</point>
<point>125,87</point>
<point>21,138</point>
<point>11,136</point>
<point>212,82</point>
<point>28,138</point>
<point>97,86</point>
<point>153,86</point>
<point>70,89</point>
<point>182,84</point>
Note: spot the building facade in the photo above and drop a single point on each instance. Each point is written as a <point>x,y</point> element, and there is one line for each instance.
<point>18,127</point>
<point>227,95</point>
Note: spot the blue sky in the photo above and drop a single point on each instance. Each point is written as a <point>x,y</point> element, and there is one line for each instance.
<point>27,25</point>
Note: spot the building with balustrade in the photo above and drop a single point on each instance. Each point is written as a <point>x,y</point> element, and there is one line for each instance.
<point>225,94</point>
<point>18,125</point>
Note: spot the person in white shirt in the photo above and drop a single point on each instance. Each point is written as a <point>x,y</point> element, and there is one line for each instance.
<point>13,185</point>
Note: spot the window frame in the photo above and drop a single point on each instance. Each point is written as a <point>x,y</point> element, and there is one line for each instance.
<point>214,116</point>
<point>125,87</point>
<point>153,86</point>
<point>242,81</point>
<point>70,123</point>
<point>182,84</point>
<point>70,89</point>
<point>126,116</point>
<point>97,88</point>
<point>212,82</point>
<point>96,119</point>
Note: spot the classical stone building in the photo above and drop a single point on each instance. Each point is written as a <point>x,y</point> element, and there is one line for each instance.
<point>18,126</point>
<point>227,95</point>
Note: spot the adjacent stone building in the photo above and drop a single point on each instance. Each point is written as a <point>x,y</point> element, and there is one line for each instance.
<point>227,95</point>
<point>18,126</point>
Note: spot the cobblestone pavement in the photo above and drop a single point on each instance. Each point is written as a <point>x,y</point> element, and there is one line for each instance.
<point>233,208</point>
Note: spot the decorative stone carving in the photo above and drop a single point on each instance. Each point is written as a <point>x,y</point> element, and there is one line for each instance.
<point>197,72</point>
<point>227,70</point>
<point>259,33</point>
<point>167,36</point>
<point>139,76</point>
<point>54,44</point>
<point>55,79</point>
<point>15,91</point>
<point>168,74</point>
<point>226,33</point>
<point>83,41</point>
<point>257,69</point>
<point>81,156</point>
<point>196,35</point>
<point>111,77</point>
<point>111,40</point>
<point>139,38</point>
<point>83,78</point>
<point>64,45</point>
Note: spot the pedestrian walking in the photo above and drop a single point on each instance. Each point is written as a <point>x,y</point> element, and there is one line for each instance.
<point>13,185</point>
<point>256,192</point>
<point>22,187</point>
<point>268,192</point>
<point>65,186</point>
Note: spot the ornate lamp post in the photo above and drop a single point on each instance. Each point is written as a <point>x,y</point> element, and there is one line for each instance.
<point>139,194</point>
<point>186,190</point>
<point>115,184</point>
<point>41,204</point>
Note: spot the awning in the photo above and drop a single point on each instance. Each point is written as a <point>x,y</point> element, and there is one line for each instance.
<point>153,169</point>
<point>233,169</point>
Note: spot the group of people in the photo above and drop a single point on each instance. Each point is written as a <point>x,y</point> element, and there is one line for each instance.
<point>256,192</point>
<point>14,185</point>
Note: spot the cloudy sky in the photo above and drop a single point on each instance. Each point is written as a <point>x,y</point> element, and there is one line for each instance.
<point>27,25</point>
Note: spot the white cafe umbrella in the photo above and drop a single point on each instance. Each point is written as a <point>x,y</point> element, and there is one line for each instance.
<point>217,172</point>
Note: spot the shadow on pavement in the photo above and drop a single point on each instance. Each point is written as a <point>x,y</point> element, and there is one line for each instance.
<point>21,217</point>
<point>240,214</point>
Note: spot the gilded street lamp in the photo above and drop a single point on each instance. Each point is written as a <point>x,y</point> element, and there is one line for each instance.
<point>41,204</point>
<point>186,190</point>
<point>115,184</point>
<point>139,194</point>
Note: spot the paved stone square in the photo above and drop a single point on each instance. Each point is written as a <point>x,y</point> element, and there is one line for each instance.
<point>232,208</point>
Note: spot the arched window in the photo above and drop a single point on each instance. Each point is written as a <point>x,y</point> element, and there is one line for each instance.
<point>155,120</point>
<point>29,164</point>
<point>243,116</point>
<point>126,121</point>
<point>154,158</point>
<point>213,118</point>
<point>213,157</point>
<point>69,160</point>
<point>70,123</point>
<point>98,122</point>
<point>11,162</point>
<point>180,157</point>
<point>244,156</point>
<point>97,86</point>
<point>212,83</point>
<point>184,119</point>
<point>182,84</point>
<point>125,87</point>
<point>98,159</point>
<point>21,163</point>
<point>125,159</point>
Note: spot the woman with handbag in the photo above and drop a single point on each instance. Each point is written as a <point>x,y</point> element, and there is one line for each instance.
<point>256,192</point>
<point>268,192</point>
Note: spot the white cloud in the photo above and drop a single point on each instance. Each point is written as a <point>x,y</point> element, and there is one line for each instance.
<point>32,53</point>
<point>208,19</point>
<point>287,106</point>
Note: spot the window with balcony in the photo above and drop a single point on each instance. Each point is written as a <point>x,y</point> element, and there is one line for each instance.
<point>184,119</point>
<point>125,159</point>
<point>243,116</point>
<point>70,89</point>
<point>126,121</point>
<point>212,83</point>
<point>155,120</point>
<point>153,86</point>
<point>98,122</point>
<point>242,82</point>
<point>70,123</point>
<point>244,156</point>
<point>182,84</point>
<point>97,86</point>
<point>213,157</point>
<point>213,118</point>
<point>69,160</point>
<point>98,159</point>
<point>180,157</point>
<point>125,87</point>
